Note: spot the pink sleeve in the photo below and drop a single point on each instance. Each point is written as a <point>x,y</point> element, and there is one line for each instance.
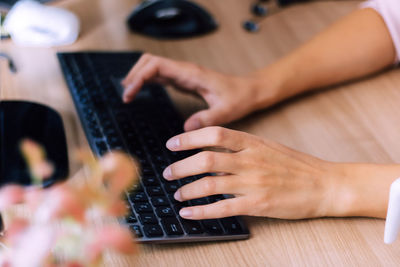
<point>390,12</point>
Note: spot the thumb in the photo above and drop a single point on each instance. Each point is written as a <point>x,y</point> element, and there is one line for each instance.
<point>203,118</point>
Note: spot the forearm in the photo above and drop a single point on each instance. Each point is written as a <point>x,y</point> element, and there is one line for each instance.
<point>355,46</point>
<point>361,189</point>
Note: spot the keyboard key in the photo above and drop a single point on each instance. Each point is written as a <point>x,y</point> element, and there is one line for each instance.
<point>165,212</point>
<point>96,132</point>
<point>136,188</point>
<point>115,141</point>
<point>171,187</point>
<point>136,229</point>
<point>111,134</point>
<point>131,219</point>
<point>212,227</point>
<point>145,166</point>
<point>231,225</point>
<point>173,200</point>
<point>101,146</point>
<point>150,180</point>
<point>148,172</point>
<point>158,158</point>
<point>178,206</point>
<point>135,150</point>
<point>153,230</point>
<point>148,218</point>
<point>138,197</point>
<point>171,226</point>
<point>143,207</point>
<point>159,201</point>
<point>192,227</point>
<point>143,162</point>
<point>155,191</point>
<point>161,167</point>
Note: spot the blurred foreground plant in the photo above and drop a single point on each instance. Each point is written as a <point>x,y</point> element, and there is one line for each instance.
<point>60,230</point>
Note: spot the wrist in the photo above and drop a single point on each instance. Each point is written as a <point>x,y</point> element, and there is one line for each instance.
<point>266,86</point>
<point>360,189</point>
<point>276,82</point>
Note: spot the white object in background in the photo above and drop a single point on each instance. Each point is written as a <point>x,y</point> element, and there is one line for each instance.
<point>33,24</point>
<point>392,225</point>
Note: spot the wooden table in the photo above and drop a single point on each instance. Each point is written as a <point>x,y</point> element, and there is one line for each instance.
<point>358,121</point>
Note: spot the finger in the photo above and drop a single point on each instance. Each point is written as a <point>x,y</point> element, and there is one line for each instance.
<point>184,74</point>
<point>204,118</point>
<point>220,209</point>
<point>143,60</point>
<point>214,136</point>
<point>210,185</point>
<point>143,75</point>
<point>202,162</point>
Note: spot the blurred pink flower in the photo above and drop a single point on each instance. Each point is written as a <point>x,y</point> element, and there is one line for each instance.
<point>39,240</point>
<point>112,237</point>
<point>33,197</point>
<point>117,208</point>
<point>62,201</point>
<point>14,230</point>
<point>11,194</point>
<point>119,172</point>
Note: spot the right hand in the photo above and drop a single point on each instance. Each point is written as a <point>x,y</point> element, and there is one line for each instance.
<point>228,97</point>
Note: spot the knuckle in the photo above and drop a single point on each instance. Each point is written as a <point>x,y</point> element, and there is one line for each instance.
<point>201,212</point>
<point>260,180</point>
<point>225,209</point>
<point>197,70</point>
<point>208,160</point>
<point>146,56</point>
<point>154,59</point>
<point>209,185</point>
<point>262,206</point>
<point>218,134</point>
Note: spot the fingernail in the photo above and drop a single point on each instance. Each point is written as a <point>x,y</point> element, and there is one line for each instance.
<point>129,87</point>
<point>178,196</point>
<point>186,213</point>
<point>173,143</point>
<point>167,173</point>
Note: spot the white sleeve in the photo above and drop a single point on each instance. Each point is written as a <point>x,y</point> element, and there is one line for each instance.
<point>390,12</point>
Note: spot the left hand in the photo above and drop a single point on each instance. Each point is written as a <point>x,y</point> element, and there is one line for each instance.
<point>266,178</point>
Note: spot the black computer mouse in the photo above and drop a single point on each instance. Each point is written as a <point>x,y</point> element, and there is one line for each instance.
<point>171,19</point>
<point>23,119</point>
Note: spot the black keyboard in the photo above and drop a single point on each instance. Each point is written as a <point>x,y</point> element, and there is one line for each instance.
<point>140,128</point>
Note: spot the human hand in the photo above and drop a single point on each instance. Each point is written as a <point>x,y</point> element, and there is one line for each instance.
<point>228,97</point>
<point>266,178</point>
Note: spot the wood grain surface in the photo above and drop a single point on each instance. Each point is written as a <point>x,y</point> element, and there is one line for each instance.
<point>357,122</point>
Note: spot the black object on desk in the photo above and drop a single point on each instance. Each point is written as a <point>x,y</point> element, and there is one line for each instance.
<point>141,128</point>
<point>19,120</point>
<point>171,19</point>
